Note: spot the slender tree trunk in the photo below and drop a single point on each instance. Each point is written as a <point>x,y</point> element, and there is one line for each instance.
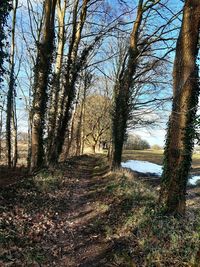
<point>79,132</point>
<point>80,127</point>
<point>1,135</point>
<point>83,129</point>
<point>94,148</point>
<point>1,128</point>
<point>28,105</point>
<point>87,83</point>
<point>55,90</point>
<point>180,138</point>
<point>70,136</point>
<point>11,91</point>
<point>14,133</point>
<point>122,91</point>
<point>41,79</point>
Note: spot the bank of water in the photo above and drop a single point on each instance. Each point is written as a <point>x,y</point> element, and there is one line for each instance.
<point>152,168</point>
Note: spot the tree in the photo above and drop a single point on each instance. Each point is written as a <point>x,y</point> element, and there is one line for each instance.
<point>67,94</point>
<point>5,7</point>
<point>180,136</point>
<point>156,147</point>
<point>75,63</point>
<point>55,88</point>
<point>41,79</point>
<point>11,123</point>
<point>75,137</point>
<point>97,120</point>
<point>136,142</point>
<point>124,83</point>
<point>4,11</point>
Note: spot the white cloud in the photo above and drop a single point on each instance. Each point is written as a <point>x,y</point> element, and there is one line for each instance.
<point>153,136</point>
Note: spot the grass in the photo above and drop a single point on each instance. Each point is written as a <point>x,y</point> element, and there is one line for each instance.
<point>153,239</point>
<point>155,156</point>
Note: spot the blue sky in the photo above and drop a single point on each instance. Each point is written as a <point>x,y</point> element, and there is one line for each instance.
<point>153,136</point>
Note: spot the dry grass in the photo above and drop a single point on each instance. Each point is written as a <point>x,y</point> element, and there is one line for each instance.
<point>155,156</point>
<point>22,154</point>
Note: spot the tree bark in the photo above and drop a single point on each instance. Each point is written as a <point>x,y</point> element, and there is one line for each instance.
<point>122,91</point>
<point>10,116</point>
<point>180,136</point>
<point>14,134</point>
<point>4,11</point>
<point>55,89</point>
<point>1,126</point>
<point>41,79</point>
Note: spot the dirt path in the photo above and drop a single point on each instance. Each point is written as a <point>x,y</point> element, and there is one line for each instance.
<point>87,245</point>
<point>64,224</point>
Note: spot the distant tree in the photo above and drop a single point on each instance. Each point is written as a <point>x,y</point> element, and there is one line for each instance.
<point>156,147</point>
<point>97,120</point>
<point>135,142</point>
<point>181,127</point>
<point>23,137</point>
<point>144,144</point>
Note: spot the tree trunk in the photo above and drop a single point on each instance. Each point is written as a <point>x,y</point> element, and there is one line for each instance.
<point>180,137</point>
<point>14,139</point>
<point>123,92</point>
<point>70,136</point>
<point>41,79</point>
<point>94,148</point>
<point>55,90</point>
<point>83,130</point>
<point>4,11</point>
<point>11,92</point>
<point>80,127</point>
<point>1,127</point>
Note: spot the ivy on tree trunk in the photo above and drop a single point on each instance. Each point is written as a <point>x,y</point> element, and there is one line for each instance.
<point>180,136</point>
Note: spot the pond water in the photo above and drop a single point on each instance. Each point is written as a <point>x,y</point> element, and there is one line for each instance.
<point>149,167</point>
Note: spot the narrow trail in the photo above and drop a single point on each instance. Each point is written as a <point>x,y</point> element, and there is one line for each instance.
<point>68,216</point>
<point>87,245</point>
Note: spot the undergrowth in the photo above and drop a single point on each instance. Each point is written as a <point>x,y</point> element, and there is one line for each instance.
<point>125,214</point>
<point>153,239</point>
<point>28,212</point>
